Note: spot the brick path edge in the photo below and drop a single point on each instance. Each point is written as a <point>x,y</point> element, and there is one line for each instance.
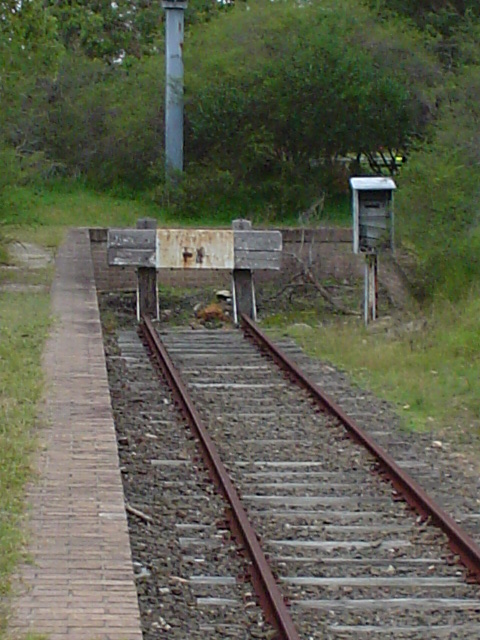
<point>80,582</point>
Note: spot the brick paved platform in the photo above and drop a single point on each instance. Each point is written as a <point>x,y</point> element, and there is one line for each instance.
<point>80,583</point>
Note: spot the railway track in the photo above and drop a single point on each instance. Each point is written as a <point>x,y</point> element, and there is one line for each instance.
<point>349,560</point>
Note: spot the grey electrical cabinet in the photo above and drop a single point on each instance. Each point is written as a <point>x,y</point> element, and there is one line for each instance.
<point>372,214</point>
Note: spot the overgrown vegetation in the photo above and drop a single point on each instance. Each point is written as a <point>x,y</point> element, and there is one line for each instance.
<point>437,204</point>
<point>275,111</point>
<point>430,368</point>
<point>288,94</point>
<point>439,196</point>
<point>24,321</point>
<point>283,100</point>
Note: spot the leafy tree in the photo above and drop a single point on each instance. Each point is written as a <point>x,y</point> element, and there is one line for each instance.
<point>449,22</point>
<point>437,204</point>
<point>107,30</point>
<point>106,122</point>
<point>101,29</point>
<point>287,90</point>
<point>28,34</point>
<point>443,13</point>
<point>277,94</point>
<point>29,53</point>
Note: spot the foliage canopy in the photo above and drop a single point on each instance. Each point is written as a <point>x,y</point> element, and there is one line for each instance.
<point>440,192</point>
<point>288,88</point>
<point>281,100</point>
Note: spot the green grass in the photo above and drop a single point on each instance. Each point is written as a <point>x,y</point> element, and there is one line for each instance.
<point>4,259</point>
<point>335,211</point>
<point>41,214</point>
<point>73,206</point>
<point>429,367</point>
<point>36,277</point>
<point>24,323</point>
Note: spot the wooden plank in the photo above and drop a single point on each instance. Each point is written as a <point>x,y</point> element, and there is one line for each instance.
<point>195,248</point>
<point>436,631</point>
<point>147,293</point>
<point>241,224</point>
<point>131,238</point>
<point>257,240</point>
<point>118,257</point>
<point>323,234</point>
<point>244,293</point>
<point>368,215</point>
<point>375,234</point>
<point>372,604</point>
<point>258,259</point>
<point>374,581</point>
<point>374,224</point>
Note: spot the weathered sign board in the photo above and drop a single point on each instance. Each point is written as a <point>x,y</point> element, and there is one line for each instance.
<point>241,250</point>
<point>195,248</point>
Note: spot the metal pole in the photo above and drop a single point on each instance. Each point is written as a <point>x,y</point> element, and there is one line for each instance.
<point>174,21</point>
<point>371,287</point>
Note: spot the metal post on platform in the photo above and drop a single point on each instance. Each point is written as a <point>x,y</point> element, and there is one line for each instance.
<point>147,290</point>
<point>174,28</point>
<point>371,287</point>
<point>243,286</point>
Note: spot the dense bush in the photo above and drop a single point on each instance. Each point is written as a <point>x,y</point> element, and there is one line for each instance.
<point>98,121</point>
<point>438,204</point>
<point>278,93</point>
<point>101,122</point>
<point>443,14</point>
<point>451,24</point>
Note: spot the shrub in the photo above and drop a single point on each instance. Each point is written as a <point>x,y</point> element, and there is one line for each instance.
<point>438,203</point>
<point>287,90</point>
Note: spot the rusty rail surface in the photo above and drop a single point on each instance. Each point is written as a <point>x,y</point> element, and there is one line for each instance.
<point>268,592</point>
<point>460,542</point>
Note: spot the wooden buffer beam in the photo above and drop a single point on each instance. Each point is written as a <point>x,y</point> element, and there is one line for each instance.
<point>241,250</point>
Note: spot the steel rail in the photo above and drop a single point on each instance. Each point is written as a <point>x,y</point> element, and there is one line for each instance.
<point>268,592</point>
<point>460,542</point>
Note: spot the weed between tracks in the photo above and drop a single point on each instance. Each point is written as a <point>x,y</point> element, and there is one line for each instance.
<point>429,367</point>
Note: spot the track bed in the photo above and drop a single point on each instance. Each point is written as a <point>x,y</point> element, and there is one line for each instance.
<point>350,560</point>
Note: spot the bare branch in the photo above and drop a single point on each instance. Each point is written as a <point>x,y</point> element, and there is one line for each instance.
<point>308,276</point>
<point>139,514</point>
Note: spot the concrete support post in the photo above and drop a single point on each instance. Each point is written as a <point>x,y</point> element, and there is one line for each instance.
<point>147,290</point>
<point>371,287</point>
<point>174,28</point>
<point>243,285</point>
